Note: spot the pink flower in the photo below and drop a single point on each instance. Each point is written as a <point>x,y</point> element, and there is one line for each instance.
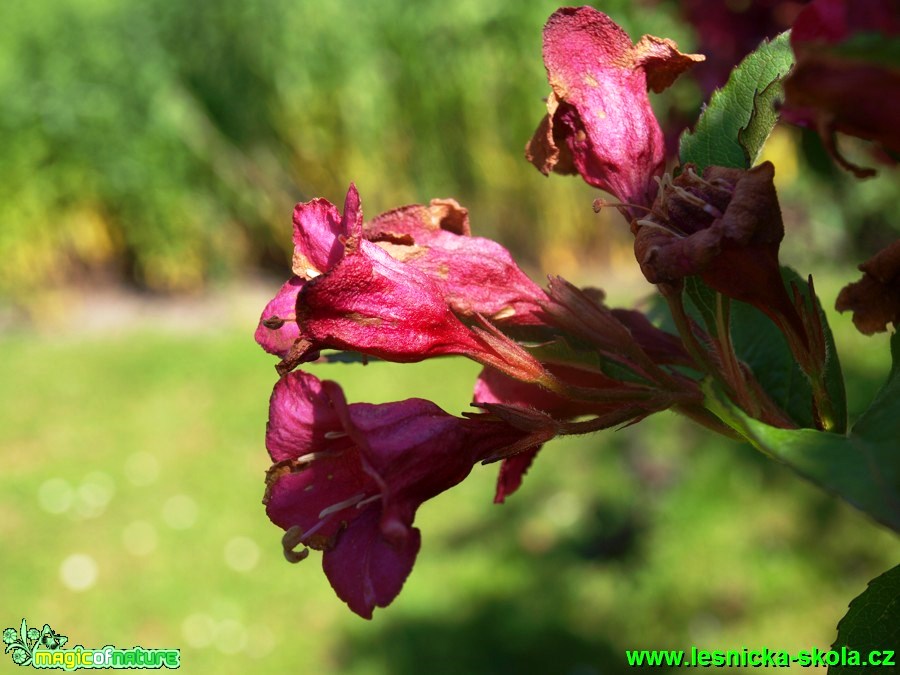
<point>475,275</point>
<point>372,303</point>
<point>348,479</point>
<point>397,288</point>
<point>318,233</point>
<point>599,122</point>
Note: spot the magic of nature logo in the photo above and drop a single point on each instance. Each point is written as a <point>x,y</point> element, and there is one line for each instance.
<point>44,648</point>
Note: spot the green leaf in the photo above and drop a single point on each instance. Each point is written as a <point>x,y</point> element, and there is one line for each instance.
<point>739,117</point>
<point>863,467</point>
<point>760,344</point>
<point>701,303</point>
<point>872,623</point>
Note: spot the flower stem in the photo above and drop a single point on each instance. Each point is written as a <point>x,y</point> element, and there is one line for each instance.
<point>733,372</point>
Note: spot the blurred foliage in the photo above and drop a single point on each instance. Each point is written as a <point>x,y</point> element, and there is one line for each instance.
<point>165,143</point>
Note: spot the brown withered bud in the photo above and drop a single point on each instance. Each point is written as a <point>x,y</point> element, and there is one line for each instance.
<point>725,227</point>
<point>875,299</point>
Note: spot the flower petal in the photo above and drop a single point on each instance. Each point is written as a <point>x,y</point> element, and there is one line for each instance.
<point>302,419</point>
<point>318,496</point>
<point>475,275</point>
<point>512,471</point>
<point>317,247</point>
<point>277,327</point>
<point>364,569</point>
<point>875,299</point>
<point>600,110</point>
<point>372,303</point>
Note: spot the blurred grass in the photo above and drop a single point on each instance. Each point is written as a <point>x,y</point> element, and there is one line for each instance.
<point>145,452</point>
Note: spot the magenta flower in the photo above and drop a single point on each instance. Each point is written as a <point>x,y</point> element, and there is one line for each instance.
<point>599,122</point>
<point>348,479</point>
<point>413,283</point>
<point>318,232</point>
<point>397,288</point>
<point>475,275</point>
<point>373,303</point>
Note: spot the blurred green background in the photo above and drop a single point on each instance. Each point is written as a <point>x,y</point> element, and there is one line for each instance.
<point>150,156</point>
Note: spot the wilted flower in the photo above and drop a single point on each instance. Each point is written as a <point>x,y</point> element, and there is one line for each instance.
<point>875,299</point>
<point>599,122</point>
<point>725,227</point>
<point>841,81</point>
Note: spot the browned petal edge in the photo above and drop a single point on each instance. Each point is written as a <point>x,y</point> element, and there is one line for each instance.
<point>661,61</point>
<point>546,152</point>
<point>875,299</point>
<point>319,542</point>
<point>276,471</point>
<point>440,214</point>
<point>450,216</point>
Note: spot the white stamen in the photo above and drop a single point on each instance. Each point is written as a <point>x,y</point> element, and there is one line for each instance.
<point>312,456</point>
<point>340,506</point>
<point>504,313</point>
<point>687,196</point>
<point>368,501</point>
<point>331,435</point>
<point>315,528</point>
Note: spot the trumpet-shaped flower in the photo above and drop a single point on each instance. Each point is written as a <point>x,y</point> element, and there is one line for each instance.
<point>348,479</point>
<point>599,122</point>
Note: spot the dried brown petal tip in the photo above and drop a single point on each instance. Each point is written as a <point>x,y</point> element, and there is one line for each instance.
<point>875,299</point>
